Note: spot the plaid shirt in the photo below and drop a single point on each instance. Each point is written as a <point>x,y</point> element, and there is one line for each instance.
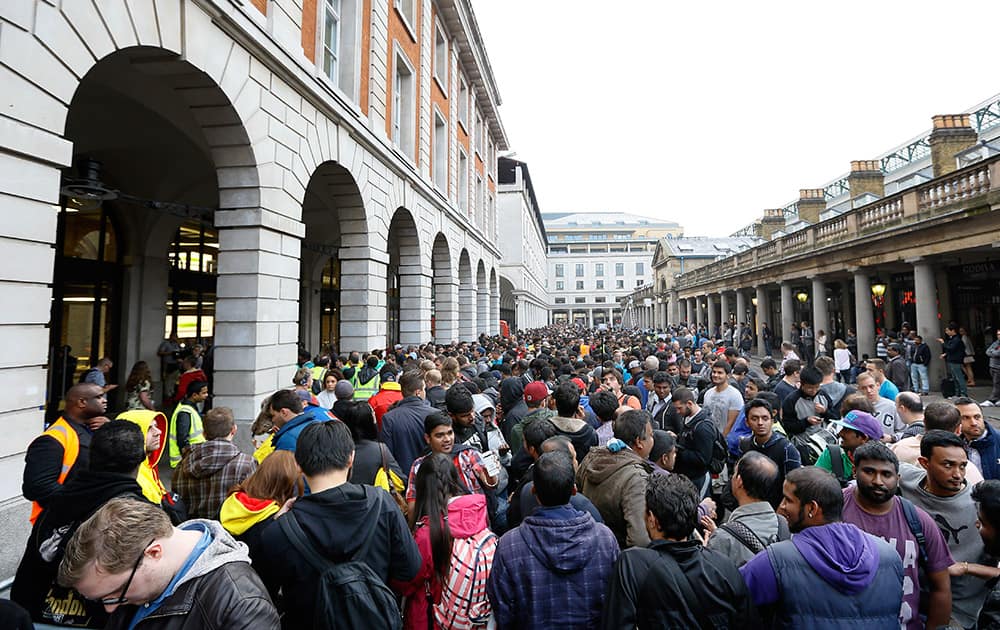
<point>207,473</point>
<point>469,461</point>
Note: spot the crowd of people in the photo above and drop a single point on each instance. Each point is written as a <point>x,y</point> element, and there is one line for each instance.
<point>562,477</point>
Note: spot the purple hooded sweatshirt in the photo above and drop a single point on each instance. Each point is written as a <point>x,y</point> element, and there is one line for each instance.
<point>840,553</point>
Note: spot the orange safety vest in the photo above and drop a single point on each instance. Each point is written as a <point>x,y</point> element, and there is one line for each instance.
<point>61,432</point>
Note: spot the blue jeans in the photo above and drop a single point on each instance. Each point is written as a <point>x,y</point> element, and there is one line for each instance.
<point>919,379</point>
<point>961,387</point>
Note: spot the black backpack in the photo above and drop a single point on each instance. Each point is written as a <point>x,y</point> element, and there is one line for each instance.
<point>720,450</point>
<point>837,466</point>
<point>348,594</point>
<point>749,538</point>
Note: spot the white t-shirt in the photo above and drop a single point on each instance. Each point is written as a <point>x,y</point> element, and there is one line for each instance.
<point>719,404</point>
<point>842,359</point>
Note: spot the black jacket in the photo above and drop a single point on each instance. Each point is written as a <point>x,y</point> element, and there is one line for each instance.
<point>694,446</point>
<point>43,463</point>
<point>368,461</point>
<point>337,521</point>
<point>74,503</point>
<point>228,598</point>
<point>646,590</point>
<point>403,430</point>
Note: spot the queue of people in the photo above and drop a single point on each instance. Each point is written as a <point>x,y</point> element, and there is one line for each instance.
<point>558,478</point>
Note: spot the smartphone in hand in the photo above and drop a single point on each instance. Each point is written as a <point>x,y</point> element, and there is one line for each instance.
<point>492,462</point>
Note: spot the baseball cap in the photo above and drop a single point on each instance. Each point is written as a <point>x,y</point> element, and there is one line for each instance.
<point>633,365</point>
<point>343,390</point>
<point>579,383</point>
<point>535,391</point>
<point>861,422</point>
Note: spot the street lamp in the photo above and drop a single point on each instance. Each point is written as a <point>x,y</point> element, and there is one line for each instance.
<point>878,299</point>
<point>878,293</point>
<point>802,297</point>
<point>753,301</point>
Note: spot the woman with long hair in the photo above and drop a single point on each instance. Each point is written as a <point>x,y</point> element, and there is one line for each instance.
<point>970,357</point>
<point>449,372</point>
<point>457,548</point>
<point>252,504</point>
<point>369,453</point>
<point>139,388</point>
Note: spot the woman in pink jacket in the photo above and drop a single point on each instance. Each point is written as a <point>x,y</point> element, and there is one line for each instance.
<point>457,547</point>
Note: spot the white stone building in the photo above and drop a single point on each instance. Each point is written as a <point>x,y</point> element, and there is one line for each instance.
<point>523,294</point>
<point>595,259</point>
<point>248,174</point>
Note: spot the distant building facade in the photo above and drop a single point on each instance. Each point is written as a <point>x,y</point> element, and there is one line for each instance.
<point>524,300</point>
<point>595,259</point>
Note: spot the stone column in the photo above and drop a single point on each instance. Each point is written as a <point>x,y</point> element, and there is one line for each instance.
<point>689,310</point>
<point>445,309</point>
<point>864,313</point>
<point>414,304</point>
<point>257,312</point>
<point>482,310</point>
<point>927,324</point>
<point>712,321</point>
<point>762,317</point>
<point>821,314</point>
<point>724,307</point>
<point>675,308</point>
<point>787,312</point>
<point>494,327</point>
<point>467,324</point>
<point>590,317</point>
<point>741,311</point>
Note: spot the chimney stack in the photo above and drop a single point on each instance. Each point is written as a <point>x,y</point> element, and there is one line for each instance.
<point>866,177</point>
<point>951,135</point>
<point>812,202</point>
<point>771,222</point>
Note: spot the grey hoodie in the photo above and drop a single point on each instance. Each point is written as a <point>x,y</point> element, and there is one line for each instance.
<point>956,517</point>
<point>222,550</point>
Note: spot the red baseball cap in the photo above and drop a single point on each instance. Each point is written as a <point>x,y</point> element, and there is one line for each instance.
<point>579,383</point>
<point>535,391</point>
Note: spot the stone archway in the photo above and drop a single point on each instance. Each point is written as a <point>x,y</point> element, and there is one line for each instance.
<point>466,298</point>
<point>444,310</point>
<point>331,301</point>
<point>482,300</point>
<point>407,286</point>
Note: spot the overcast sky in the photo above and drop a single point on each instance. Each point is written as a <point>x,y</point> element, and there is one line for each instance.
<point>708,112</point>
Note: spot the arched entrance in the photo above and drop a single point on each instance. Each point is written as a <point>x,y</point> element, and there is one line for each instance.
<point>508,303</point>
<point>494,327</point>
<point>444,293</point>
<point>333,213</point>
<point>405,312</point>
<point>137,252</point>
<point>482,300</point>
<point>466,299</point>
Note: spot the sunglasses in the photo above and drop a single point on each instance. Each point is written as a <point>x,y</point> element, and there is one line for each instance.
<point>122,599</point>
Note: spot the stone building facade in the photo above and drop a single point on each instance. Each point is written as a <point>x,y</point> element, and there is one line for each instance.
<point>523,298</point>
<point>595,259</point>
<point>247,174</point>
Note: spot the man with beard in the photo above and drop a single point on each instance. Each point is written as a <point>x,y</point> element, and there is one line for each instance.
<point>860,576</point>
<point>983,440</point>
<point>873,506</point>
<point>939,486</point>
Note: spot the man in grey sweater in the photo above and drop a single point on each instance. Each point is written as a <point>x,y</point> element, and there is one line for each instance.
<point>938,486</point>
<point>753,525</point>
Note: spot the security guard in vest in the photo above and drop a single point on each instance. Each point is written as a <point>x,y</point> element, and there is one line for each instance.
<point>185,423</point>
<point>366,380</point>
<point>64,447</point>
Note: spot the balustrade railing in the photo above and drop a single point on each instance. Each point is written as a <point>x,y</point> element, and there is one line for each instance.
<point>960,186</point>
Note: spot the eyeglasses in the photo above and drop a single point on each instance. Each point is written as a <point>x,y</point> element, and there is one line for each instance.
<point>122,599</point>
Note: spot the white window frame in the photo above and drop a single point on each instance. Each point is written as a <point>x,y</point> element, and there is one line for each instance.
<point>480,200</point>
<point>439,151</point>
<point>560,285</point>
<point>560,270</point>
<point>404,135</point>
<point>462,194</point>
<point>477,140</point>
<point>463,103</point>
<point>346,72</point>
<point>411,7</point>
<point>440,60</point>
